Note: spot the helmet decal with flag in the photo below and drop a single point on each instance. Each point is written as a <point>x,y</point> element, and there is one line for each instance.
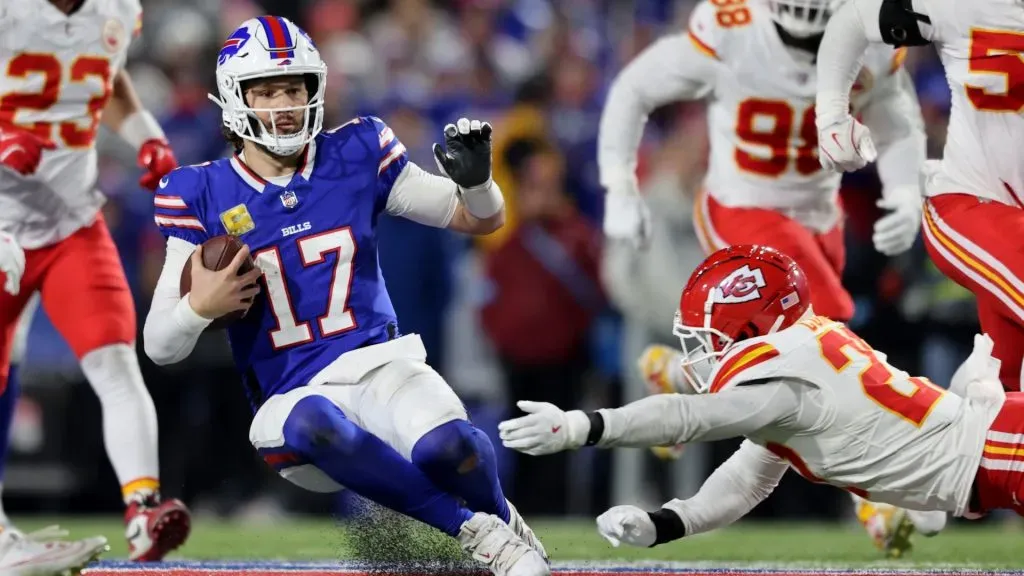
<point>739,292</point>
<point>267,47</point>
<point>803,18</point>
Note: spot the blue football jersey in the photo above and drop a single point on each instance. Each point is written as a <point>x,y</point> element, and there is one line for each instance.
<point>315,241</point>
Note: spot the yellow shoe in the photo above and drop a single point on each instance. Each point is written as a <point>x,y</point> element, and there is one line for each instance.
<point>668,452</point>
<point>888,526</point>
<point>660,365</point>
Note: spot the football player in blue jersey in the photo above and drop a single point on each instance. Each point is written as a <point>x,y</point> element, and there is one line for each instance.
<point>340,397</point>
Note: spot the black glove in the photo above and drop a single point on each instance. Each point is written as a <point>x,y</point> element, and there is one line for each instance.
<point>468,158</point>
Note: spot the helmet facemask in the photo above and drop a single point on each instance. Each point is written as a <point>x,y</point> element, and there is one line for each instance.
<point>703,346</point>
<point>802,18</point>
<point>245,122</point>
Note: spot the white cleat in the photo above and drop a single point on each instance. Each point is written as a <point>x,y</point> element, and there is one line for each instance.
<point>927,524</point>
<point>32,555</point>
<point>518,525</point>
<point>492,543</point>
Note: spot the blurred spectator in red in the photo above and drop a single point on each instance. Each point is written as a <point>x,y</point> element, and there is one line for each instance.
<point>546,294</point>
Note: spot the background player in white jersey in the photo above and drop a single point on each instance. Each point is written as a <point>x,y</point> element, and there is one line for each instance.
<point>36,554</point>
<point>807,394</point>
<point>975,204</point>
<point>753,61</point>
<point>61,74</point>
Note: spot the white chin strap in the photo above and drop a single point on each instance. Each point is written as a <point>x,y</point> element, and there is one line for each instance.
<point>285,145</point>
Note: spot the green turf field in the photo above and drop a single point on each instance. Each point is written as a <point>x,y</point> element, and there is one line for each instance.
<point>991,546</point>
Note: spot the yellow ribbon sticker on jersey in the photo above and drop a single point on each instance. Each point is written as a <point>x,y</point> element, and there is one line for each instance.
<point>237,220</point>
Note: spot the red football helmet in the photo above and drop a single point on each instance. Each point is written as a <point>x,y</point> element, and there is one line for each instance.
<point>737,293</point>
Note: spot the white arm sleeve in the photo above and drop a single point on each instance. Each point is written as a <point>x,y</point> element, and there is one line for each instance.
<point>423,197</point>
<point>670,70</point>
<point>733,490</point>
<point>172,326</point>
<point>897,128</point>
<point>669,419</point>
<point>840,58</point>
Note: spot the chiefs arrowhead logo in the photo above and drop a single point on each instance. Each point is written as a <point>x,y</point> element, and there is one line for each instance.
<point>740,286</point>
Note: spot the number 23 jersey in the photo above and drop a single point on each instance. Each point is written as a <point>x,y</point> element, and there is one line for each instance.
<point>880,433</point>
<point>314,238</point>
<point>56,74</point>
<point>764,144</point>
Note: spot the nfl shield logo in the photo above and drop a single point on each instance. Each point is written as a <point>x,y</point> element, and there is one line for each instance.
<point>289,199</point>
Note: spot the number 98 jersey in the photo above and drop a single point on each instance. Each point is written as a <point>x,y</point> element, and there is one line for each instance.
<point>56,74</point>
<point>882,434</point>
<point>764,144</point>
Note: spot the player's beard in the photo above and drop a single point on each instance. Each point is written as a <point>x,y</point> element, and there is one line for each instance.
<point>284,124</point>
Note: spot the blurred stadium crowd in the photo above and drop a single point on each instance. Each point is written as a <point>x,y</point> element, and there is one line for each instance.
<point>541,310</point>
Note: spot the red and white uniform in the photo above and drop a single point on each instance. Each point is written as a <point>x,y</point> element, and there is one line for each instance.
<point>816,398</point>
<point>56,74</point>
<point>973,214</point>
<point>974,211</point>
<point>764,184</point>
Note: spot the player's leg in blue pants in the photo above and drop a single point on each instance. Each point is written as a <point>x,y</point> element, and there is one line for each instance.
<point>317,432</point>
<point>459,458</point>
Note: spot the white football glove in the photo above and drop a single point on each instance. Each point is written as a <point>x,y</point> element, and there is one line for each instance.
<point>845,146</point>
<point>545,429</point>
<point>626,216</point>
<point>627,524</point>
<point>12,263</point>
<point>896,231</point>
<point>979,366</point>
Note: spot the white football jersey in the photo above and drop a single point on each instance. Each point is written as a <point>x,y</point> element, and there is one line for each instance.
<point>880,433</point>
<point>764,143</point>
<point>56,74</point>
<point>980,43</point>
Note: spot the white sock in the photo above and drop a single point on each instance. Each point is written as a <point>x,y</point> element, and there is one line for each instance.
<point>4,521</point>
<point>129,418</point>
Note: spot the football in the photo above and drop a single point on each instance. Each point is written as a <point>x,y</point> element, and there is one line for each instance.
<point>218,252</point>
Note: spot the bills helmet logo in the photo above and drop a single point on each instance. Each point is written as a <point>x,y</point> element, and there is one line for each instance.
<point>233,44</point>
<point>741,286</point>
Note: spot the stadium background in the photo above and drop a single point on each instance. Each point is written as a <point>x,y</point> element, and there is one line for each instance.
<point>501,320</point>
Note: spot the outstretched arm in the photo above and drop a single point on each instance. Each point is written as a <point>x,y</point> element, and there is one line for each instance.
<point>731,492</point>
<point>660,420</point>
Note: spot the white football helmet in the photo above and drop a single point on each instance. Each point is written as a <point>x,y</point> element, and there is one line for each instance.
<point>803,18</point>
<point>265,47</point>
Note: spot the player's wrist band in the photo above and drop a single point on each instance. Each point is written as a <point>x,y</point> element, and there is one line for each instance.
<point>482,201</point>
<point>139,127</point>
<point>596,428</point>
<point>668,526</point>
